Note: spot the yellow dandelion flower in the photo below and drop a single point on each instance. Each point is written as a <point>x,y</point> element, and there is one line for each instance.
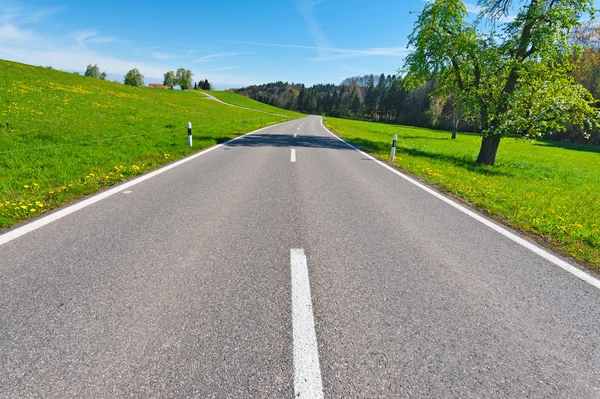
<point>23,207</point>
<point>32,210</point>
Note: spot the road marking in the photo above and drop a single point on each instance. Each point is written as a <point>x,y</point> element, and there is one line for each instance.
<point>524,243</point>
<point>307,371</point>
<point>298,129</point>
<point>126,192</point>
<point>61,213</point>
<point>293,155</point>
<point>295,134</point>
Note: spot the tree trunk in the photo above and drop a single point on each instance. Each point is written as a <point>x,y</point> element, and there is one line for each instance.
<point>455,121</point>
<point>489,148</point>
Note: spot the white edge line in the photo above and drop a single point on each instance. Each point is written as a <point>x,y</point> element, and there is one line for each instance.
<point>533,248</point>
<point>59,214</point>
<point>307,370</point>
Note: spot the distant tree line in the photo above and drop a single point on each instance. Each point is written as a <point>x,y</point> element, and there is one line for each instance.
<point>181,78</point>
<point>375,98</point>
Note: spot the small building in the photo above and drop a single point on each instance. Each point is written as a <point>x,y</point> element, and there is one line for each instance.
<point>158,86</point>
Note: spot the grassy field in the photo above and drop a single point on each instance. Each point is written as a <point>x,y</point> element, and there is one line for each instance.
<point>236,99</point>
<point>549,189</point>
<point>63,136</point>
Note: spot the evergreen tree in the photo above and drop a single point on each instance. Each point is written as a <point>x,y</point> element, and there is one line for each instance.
<point>380,91</point>
<point>371,98</point>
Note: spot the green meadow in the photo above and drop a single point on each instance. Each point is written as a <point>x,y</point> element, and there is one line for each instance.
<point>549,190</point>
<point>236,99</point>
<point>63,136</point>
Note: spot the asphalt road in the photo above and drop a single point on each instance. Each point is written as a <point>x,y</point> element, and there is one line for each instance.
<point>243,274</point>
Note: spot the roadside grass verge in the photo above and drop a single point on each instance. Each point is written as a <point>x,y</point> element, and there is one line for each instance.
<point>63,136</point>
<point>550,190</point>
<point>238,99</point>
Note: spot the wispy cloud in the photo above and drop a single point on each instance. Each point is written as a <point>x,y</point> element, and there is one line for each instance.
<point>213,56</point>
<point>161,56</point>
<point>22,39</point>
<point>226,68</point>
<point>12,33</point>
<point>330,53</point>
<point>473,8</point>
<point>84,37</point>
<point>307,11</point>
<point>13,12</point>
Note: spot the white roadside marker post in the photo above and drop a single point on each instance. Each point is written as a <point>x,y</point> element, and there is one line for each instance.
<point>393,148</point>
<point>189,126</point>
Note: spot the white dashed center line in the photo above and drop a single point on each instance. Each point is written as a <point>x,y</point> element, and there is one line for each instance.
<point>307,370</point>
<point>293,155</point>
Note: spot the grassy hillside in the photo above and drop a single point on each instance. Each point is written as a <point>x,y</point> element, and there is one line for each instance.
<point>549,189</point>
<point>237,99</point>
<point>64,135</point>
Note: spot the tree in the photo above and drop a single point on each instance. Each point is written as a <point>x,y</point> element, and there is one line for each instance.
<point>103,75</point>
<point>302,100</point>
<point>169,79</point>
<point>92,71</point>
<point>380,94</point>
<point>183,78</point>
<point>371,98</point>
<point>206,85</point>
<point>514,80</point>
<point>134,78</point>
<point>356,106</point>
<point>587,72</point>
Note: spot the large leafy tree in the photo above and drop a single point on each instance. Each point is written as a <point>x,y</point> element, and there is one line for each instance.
<point>183,78</point>
<point>92,71</point>
<point>134,78</point>
<point>169,79</point>
<point>511,75</point>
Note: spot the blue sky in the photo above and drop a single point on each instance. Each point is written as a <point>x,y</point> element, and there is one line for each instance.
<point>231,43</point>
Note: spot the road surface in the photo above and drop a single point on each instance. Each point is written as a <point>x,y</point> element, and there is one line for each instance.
<point>285,264</point>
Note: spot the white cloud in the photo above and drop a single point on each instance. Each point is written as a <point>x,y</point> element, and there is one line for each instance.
<point>83,37</point>
<point>226,68</point>
<point>11,33</point>
<point>331,53</point>
<point>75,51</point>
<point>161,56</point>
<point>473,8</point>
<point>14,12</point>
<point>307,11</point>
<point>212,56</point>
